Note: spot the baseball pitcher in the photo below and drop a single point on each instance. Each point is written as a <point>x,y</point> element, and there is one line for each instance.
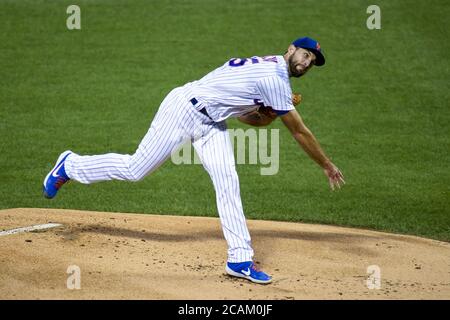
<point>256,90</point>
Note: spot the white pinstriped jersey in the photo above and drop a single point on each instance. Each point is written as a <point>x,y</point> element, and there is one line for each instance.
<point>240,85</point>
<point>231,90</point>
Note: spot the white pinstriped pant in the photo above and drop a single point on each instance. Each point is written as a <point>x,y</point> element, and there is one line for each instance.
<point>175,122</point>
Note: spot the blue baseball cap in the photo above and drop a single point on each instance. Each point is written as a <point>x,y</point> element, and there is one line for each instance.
<point>313,46</point>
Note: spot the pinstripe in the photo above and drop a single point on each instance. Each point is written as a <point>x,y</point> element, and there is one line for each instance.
<point>225,92</point>
<point>220,164</point>
<point>239,86</point>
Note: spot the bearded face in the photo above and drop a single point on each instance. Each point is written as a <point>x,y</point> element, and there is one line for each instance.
<point>300,62</point>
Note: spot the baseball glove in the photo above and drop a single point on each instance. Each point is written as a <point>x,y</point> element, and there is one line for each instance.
<point>296,98</point>
<point>263,116</point>
<point>268,111</point>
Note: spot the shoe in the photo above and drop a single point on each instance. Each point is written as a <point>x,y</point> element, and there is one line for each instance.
<point>247,270</point>
<point>56,177</point>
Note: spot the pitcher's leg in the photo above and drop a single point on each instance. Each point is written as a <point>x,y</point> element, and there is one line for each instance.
<point>216,154</point>
<point>153,151</point>
<point>161,139</point>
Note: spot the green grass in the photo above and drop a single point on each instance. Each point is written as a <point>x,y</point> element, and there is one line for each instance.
<point>379,107</point>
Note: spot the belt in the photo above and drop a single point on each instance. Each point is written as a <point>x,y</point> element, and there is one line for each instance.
<point>202,110</point>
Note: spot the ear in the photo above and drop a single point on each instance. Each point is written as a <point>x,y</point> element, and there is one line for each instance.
<point>291,49</point>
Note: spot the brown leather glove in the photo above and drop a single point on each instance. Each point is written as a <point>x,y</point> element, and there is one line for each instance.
<point>296,98</point>
<point>268,111</point>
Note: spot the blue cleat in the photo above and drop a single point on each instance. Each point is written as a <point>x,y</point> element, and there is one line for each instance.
<point>56,177</point>
<point>249,271</point>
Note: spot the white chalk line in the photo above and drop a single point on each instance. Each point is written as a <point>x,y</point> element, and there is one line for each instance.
<point>30,228</point>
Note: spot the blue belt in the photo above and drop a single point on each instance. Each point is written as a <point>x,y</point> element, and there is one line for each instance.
<point>202,110</point>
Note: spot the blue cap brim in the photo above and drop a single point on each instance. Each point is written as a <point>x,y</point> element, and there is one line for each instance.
<point>320,59</point>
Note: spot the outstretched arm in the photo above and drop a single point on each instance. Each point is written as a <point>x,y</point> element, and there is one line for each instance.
<point>310,145</point>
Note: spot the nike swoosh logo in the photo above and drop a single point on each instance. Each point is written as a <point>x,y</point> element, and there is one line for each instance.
<point>56,170</point>
<point>247,273</point>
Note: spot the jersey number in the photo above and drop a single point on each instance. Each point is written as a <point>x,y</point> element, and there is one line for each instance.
<point>237,62</point>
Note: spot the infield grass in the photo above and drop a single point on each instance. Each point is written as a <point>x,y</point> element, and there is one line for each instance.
<point>379,107</point>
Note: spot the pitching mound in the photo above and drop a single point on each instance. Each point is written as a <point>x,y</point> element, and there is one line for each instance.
<point>132,256</point>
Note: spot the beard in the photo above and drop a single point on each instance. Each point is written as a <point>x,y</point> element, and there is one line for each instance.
<point>293,70</point>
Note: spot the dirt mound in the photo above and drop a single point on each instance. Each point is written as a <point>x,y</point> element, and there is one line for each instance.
<point>133,256</point>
